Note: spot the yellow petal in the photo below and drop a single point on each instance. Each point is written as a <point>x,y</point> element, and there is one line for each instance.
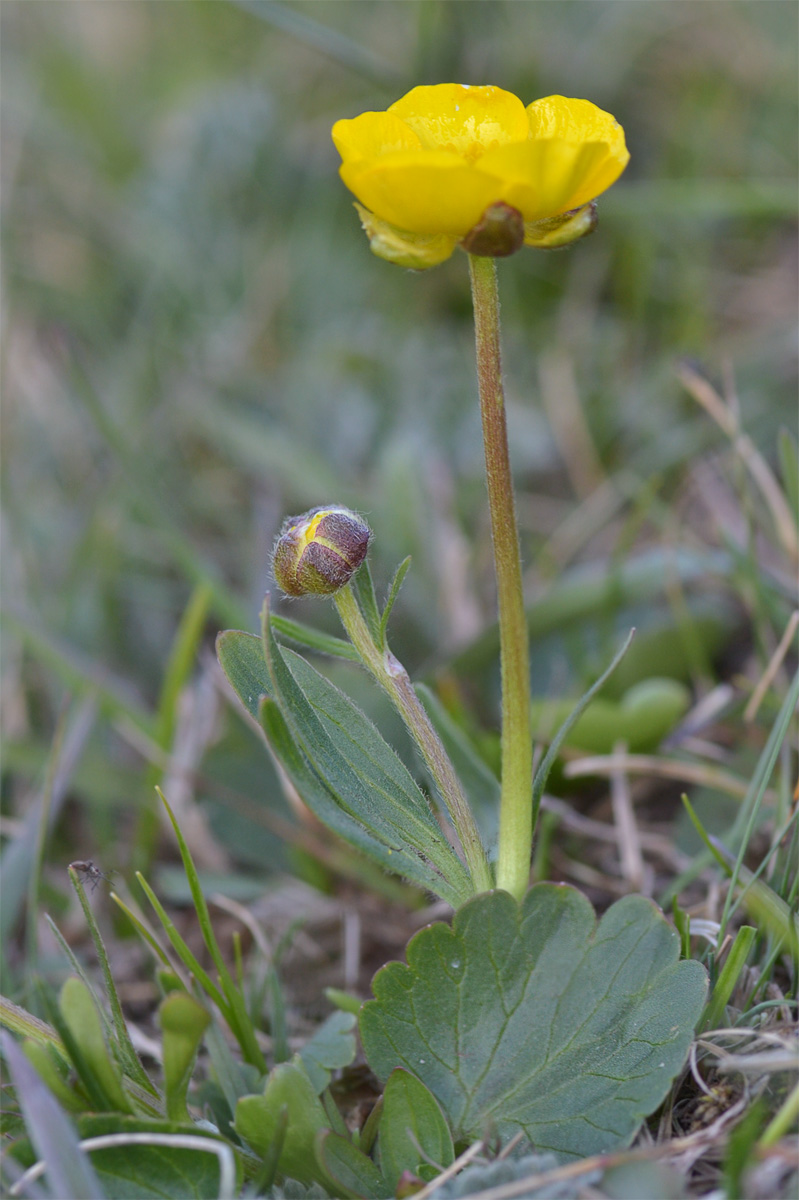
<point>372,134</point>
<point>546,177</point>
<point>423,191</point>
<point>416,251</point>
<point>575,121</point>
<point>468,120</point>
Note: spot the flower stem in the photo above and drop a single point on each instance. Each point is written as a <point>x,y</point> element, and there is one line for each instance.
<point>515,818</point>
<point>394,679</point>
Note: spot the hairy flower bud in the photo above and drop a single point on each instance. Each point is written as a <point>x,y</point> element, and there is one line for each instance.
<point>319,551</point>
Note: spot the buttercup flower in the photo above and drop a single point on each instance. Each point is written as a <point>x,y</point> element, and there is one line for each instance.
<point>427,171</point>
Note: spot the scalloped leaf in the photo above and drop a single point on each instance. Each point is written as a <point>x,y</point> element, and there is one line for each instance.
<point>536,1018</point>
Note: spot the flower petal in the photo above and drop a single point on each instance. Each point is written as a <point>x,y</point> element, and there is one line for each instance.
<point>416,251</point>
<point>575,121</point>
<point>372,134</point>
<point>423,191</point>
<point>468,120</point>
<point>550,175</point>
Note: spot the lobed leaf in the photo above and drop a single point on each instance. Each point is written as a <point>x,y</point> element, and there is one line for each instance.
<point>534,1018</point>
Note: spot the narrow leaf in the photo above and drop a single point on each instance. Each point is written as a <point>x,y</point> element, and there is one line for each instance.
<point>713,1015</point>
<point>396,584</point>
<point>127,1051</point>
<point>241,657</point>
<point>364,590</point>
<point>362,773</point>
<point>304,635</point>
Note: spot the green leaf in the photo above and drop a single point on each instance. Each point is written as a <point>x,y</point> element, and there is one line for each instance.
<point>331,1047</point>
<point>345,1001</point>
<point>236,1014</point>
<point>730,974</point>
<point>52,1069</point>
<point>412,1129</point>
<point>160,1162</point>
<point>534,1018</point>
<point>52,1137</point>
<point>83,1021</point>
<point>359,772</point>
<point>258,1120</point>
<point>127,1052</point>
<point>393,592</point>
<point>183,1022</point>
<point>364,590</point>
<point>241,657</point>
<point>314,639</point>
<point>372,774</point>
<point>352,1173</point>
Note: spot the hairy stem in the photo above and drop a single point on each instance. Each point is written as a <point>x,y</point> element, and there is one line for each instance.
<point>394,679</point>
<point>515,820</point>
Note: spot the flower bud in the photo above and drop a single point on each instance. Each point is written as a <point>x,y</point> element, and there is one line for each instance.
<point>318,552</point>
<point>498,233</point>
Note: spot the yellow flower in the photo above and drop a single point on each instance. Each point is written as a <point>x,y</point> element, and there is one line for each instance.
<point>426,171</point>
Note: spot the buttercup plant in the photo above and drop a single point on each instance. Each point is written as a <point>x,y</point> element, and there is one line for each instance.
<point>454,164</point>
<point>524,1017</point>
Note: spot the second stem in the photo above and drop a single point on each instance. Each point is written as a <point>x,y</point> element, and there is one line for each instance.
<point>515,818</point>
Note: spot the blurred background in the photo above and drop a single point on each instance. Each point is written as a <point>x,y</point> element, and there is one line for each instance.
<point>197,342</point>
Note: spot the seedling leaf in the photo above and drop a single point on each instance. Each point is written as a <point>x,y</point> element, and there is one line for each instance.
<point>413,1131</point>
<point>331,1047</point>
<point>353,1174</point>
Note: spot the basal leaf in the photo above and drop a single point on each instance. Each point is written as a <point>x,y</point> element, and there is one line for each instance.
<point>412,1128</point>
<point>156,1164</point>
<point>331,1047</point>
<point>535,1018</point>
<point>352,1174</point>
<point>259,1118</point>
